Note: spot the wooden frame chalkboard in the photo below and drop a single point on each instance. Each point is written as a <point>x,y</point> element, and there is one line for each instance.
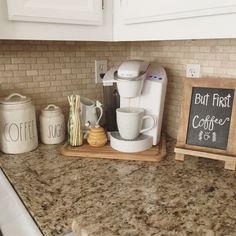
<point>208,123</point>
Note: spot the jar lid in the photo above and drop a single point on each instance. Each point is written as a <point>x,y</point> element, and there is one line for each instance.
<point>52,109</point>
<point>14,99</point>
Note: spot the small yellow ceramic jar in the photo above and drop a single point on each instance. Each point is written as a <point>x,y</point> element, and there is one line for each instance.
<point>97,137</point>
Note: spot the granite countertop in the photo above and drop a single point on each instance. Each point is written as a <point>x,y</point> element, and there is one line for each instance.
<point>127,198</point>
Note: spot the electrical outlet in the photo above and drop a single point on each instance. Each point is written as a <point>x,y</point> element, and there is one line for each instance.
<point>193,70</point>
<point>100,70</point>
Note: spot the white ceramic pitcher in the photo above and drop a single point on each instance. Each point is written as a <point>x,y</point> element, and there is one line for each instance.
<point>88,112</point>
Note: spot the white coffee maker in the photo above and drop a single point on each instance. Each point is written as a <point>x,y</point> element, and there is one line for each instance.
<point>140,84</point>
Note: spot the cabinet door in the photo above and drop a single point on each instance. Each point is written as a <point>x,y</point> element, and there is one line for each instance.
<point>77,20</point>
<point>178,19</point>
<point>85,12</point>
<point>160,10</point>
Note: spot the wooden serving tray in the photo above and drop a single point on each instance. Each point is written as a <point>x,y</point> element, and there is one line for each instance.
<point>155,154</point>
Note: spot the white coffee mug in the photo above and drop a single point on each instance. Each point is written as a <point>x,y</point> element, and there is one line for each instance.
<point>130,122</point>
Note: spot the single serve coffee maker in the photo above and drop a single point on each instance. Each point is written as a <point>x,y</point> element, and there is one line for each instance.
<point>138,114</point>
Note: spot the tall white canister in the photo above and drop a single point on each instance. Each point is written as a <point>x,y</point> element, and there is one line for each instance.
<point>18,130</point>
<point>52,125</point>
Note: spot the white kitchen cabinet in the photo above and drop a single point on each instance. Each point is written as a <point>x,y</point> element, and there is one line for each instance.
<point>57,11</point>
<point>89,20</point>
<point>117,20</point>
<point>168,19</point>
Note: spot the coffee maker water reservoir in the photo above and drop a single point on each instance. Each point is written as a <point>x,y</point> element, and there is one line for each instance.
<point>111,103</point>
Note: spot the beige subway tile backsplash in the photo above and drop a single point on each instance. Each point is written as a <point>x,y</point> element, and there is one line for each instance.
<point>216,57</point>
<point>49,71</point>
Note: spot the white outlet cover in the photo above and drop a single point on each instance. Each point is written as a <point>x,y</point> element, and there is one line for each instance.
<point>193,70</point>
<point>100,68</point>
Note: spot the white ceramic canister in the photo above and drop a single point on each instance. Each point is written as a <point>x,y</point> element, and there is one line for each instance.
<point>18,130</point>
<point>52,125</point>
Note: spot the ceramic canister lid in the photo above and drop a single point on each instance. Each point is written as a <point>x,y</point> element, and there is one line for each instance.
<point>15,99</point>
<point>51,110</point>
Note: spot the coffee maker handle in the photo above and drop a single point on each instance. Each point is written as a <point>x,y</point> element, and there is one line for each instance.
<point>99,106</point>
<point>109,77</point>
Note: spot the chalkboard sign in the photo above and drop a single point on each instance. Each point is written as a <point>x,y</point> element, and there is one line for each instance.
<point>208,120</point>
<point>210,117</point>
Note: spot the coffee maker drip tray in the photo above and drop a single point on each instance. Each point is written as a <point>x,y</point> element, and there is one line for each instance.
<point>141,143</point>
